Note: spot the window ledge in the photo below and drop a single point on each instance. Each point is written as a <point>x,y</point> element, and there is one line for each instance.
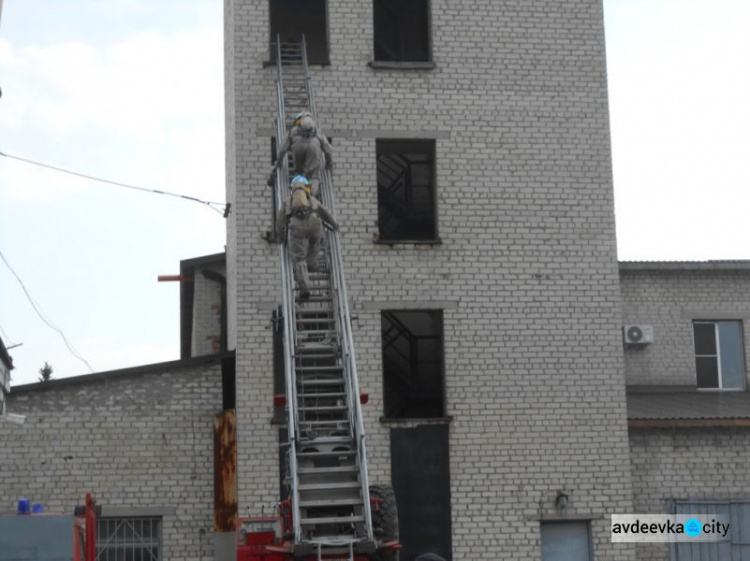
<point>327,62</point>
<point>400,65</point>
<point>418,420</point>
<point>437,241</point>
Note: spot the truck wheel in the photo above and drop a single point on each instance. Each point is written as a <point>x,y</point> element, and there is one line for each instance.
<point>385,520</point>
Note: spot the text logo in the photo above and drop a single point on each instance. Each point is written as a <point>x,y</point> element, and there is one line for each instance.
<point>652,528</point>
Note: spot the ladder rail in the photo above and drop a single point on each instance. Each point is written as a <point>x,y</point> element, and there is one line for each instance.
<point>287,300</point>
<point>341,302</point>
<point>299,88</point>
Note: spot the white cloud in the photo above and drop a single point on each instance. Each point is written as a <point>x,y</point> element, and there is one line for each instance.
<point>135,88</point>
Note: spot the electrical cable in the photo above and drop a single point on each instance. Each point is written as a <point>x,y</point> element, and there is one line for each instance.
<point>43,317</point>
<point>221,208</point>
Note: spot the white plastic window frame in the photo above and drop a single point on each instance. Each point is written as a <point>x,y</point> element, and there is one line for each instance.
<point>717,356</point>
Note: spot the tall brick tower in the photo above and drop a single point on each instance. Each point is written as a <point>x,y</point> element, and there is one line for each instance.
<point>473,186</point>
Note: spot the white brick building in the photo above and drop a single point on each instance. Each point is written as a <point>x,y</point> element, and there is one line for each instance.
<point>688,405</point>
<point>506,262</point>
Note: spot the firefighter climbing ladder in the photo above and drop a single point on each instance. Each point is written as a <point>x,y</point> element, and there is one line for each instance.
<point>327,468</point>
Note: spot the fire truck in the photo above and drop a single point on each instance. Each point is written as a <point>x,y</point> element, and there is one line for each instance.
<point>330,511</point>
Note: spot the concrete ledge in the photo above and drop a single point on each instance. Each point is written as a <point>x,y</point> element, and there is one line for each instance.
<point>137,512</point>
<point>369,133</point>
<point>409,305</point>
<point>401,65</point>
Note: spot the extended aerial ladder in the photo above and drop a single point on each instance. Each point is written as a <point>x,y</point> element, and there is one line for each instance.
<point>329,511</point>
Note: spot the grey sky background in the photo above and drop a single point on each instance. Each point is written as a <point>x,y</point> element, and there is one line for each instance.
<point>132,91</point>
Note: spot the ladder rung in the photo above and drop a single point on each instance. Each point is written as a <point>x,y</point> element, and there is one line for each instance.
<point>313,369</point>
<point>326,454</point>
<point>331,520</point>
<point>336,469</point>
<point>331,502</point>
<point>328,408</point>
<point>322,395</point>
<point>326,382</point>
<point>315,351</point>
<point>327,440</point>
<point>324,486</point>
<point>332,424</point>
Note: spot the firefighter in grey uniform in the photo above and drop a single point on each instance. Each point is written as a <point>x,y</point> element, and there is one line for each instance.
<point>310,150</point>
<point>304,215</point>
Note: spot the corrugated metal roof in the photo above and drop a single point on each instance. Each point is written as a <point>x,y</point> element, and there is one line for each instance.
<point>660,403</point>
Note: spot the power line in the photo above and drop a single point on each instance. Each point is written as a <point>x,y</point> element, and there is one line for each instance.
<point>42,315</point>
<point>221,208</point>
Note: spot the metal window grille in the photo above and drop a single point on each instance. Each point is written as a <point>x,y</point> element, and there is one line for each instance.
<point>129,539</point>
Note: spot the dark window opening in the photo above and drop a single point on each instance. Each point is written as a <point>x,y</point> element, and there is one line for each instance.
<point>413,385</point>
<point>406,190</point>
<point>292,18</point>
<point>402,30</point>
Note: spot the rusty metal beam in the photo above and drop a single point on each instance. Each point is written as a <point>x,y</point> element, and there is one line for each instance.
<point>225,472</point>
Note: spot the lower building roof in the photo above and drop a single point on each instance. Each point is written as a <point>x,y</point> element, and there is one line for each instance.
<point>678,402</point>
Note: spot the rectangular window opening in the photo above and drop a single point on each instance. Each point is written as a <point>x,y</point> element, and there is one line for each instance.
<point>401,30</point>
<point>292,18</point>
<point>413,379</point>
<point>407,206</point>
<point>719,354</point>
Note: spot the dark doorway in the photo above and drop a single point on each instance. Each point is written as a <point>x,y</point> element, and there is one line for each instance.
<point>402,30</point>
<point>421,480</point>
<point>293,18</point>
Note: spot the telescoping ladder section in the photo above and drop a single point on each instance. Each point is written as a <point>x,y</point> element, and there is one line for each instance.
<point>327,478</point>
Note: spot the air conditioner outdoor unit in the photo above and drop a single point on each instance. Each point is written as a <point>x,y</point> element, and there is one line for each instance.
<point>638,334</point>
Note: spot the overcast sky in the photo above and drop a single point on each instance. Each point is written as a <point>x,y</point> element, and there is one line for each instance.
<point>132,91</point>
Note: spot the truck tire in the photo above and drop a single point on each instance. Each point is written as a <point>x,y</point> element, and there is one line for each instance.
<point>385,520</point>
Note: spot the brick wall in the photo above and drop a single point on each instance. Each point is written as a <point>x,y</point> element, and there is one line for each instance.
<point>526,272</point>
<point>206,335</point>
<point>136,439</point>
<point>670,299</point>
<point>698,463</point>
